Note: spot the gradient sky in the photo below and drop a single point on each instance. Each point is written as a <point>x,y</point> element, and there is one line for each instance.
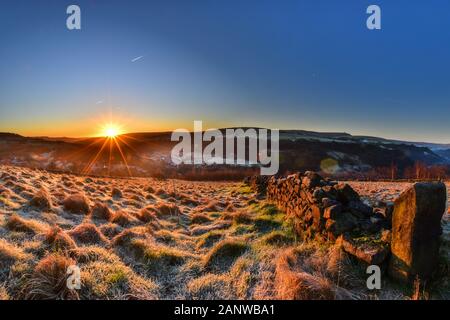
<point>309,65</point>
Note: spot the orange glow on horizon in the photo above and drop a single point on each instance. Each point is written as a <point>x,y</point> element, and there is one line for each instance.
<point>102,126</point>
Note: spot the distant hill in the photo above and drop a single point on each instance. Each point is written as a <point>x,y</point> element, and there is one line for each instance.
<point>7,135</point>
<point>299,150</point>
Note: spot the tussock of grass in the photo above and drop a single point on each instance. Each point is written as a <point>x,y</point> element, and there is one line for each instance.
<point>292,283</point>
<point>89,254</point>
<point>165,209</point>
<point>310,271</point>
<point>103,280</point>
<point>224,253</point>
<point>88,233</point>
<point>59,240</point>
<point>116,193</point>
<point>19,224</point>
<point>212,206</point>
<point>10,254</point>
<point>200,218</point>
<point>157,257</point>
<point>244,273</point>
<point>49,279</point>
<point>243,229</point>
<point>132,203</point>
<point>148,214</point>
<point>125,238</point>
<point>187,201</point>
<point>41,200</point>
<point>77,204</point>
<point>110,230</point>
<point>242,217</point>
<point>165,236</point>
<point>122,218</point>
<point>277,238</point>
<point>161,193</point>
<point>208,239</point>
<point>210,287</point>
<point>101,211</point>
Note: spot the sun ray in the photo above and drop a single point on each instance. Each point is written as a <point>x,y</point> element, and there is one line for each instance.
<point>123,156</point>
<point>80,151</point>
<point>110,156</point>
<point>137,154</point>
<point>111,138</point>
<point>91,163</point>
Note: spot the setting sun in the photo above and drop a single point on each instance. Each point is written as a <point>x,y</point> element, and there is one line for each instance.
<point>111,131</point>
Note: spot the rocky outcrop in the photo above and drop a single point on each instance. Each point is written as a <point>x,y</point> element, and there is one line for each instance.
<point>416,229</point>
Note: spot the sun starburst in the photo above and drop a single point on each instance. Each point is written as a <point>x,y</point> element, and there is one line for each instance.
<point>111,130</point>
<point>108,147</point>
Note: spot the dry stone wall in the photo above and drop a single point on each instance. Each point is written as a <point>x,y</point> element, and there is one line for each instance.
<point>322,209</point>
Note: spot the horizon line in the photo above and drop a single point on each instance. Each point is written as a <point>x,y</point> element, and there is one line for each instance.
<point>223,128</point>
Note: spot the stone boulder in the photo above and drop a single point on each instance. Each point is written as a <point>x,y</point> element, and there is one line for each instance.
<point>416,230</point>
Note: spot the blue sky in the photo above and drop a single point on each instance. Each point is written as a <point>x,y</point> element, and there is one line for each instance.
<point>309,65</point>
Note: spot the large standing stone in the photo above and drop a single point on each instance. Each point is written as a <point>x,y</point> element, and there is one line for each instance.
<point>416,227</point>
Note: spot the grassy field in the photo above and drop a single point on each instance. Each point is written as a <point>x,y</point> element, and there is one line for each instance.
<point>150,239</point>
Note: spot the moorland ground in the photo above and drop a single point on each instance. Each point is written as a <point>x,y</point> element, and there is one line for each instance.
<point>142,238</point>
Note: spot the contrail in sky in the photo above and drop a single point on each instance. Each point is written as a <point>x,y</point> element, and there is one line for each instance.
<point>137,58</point>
